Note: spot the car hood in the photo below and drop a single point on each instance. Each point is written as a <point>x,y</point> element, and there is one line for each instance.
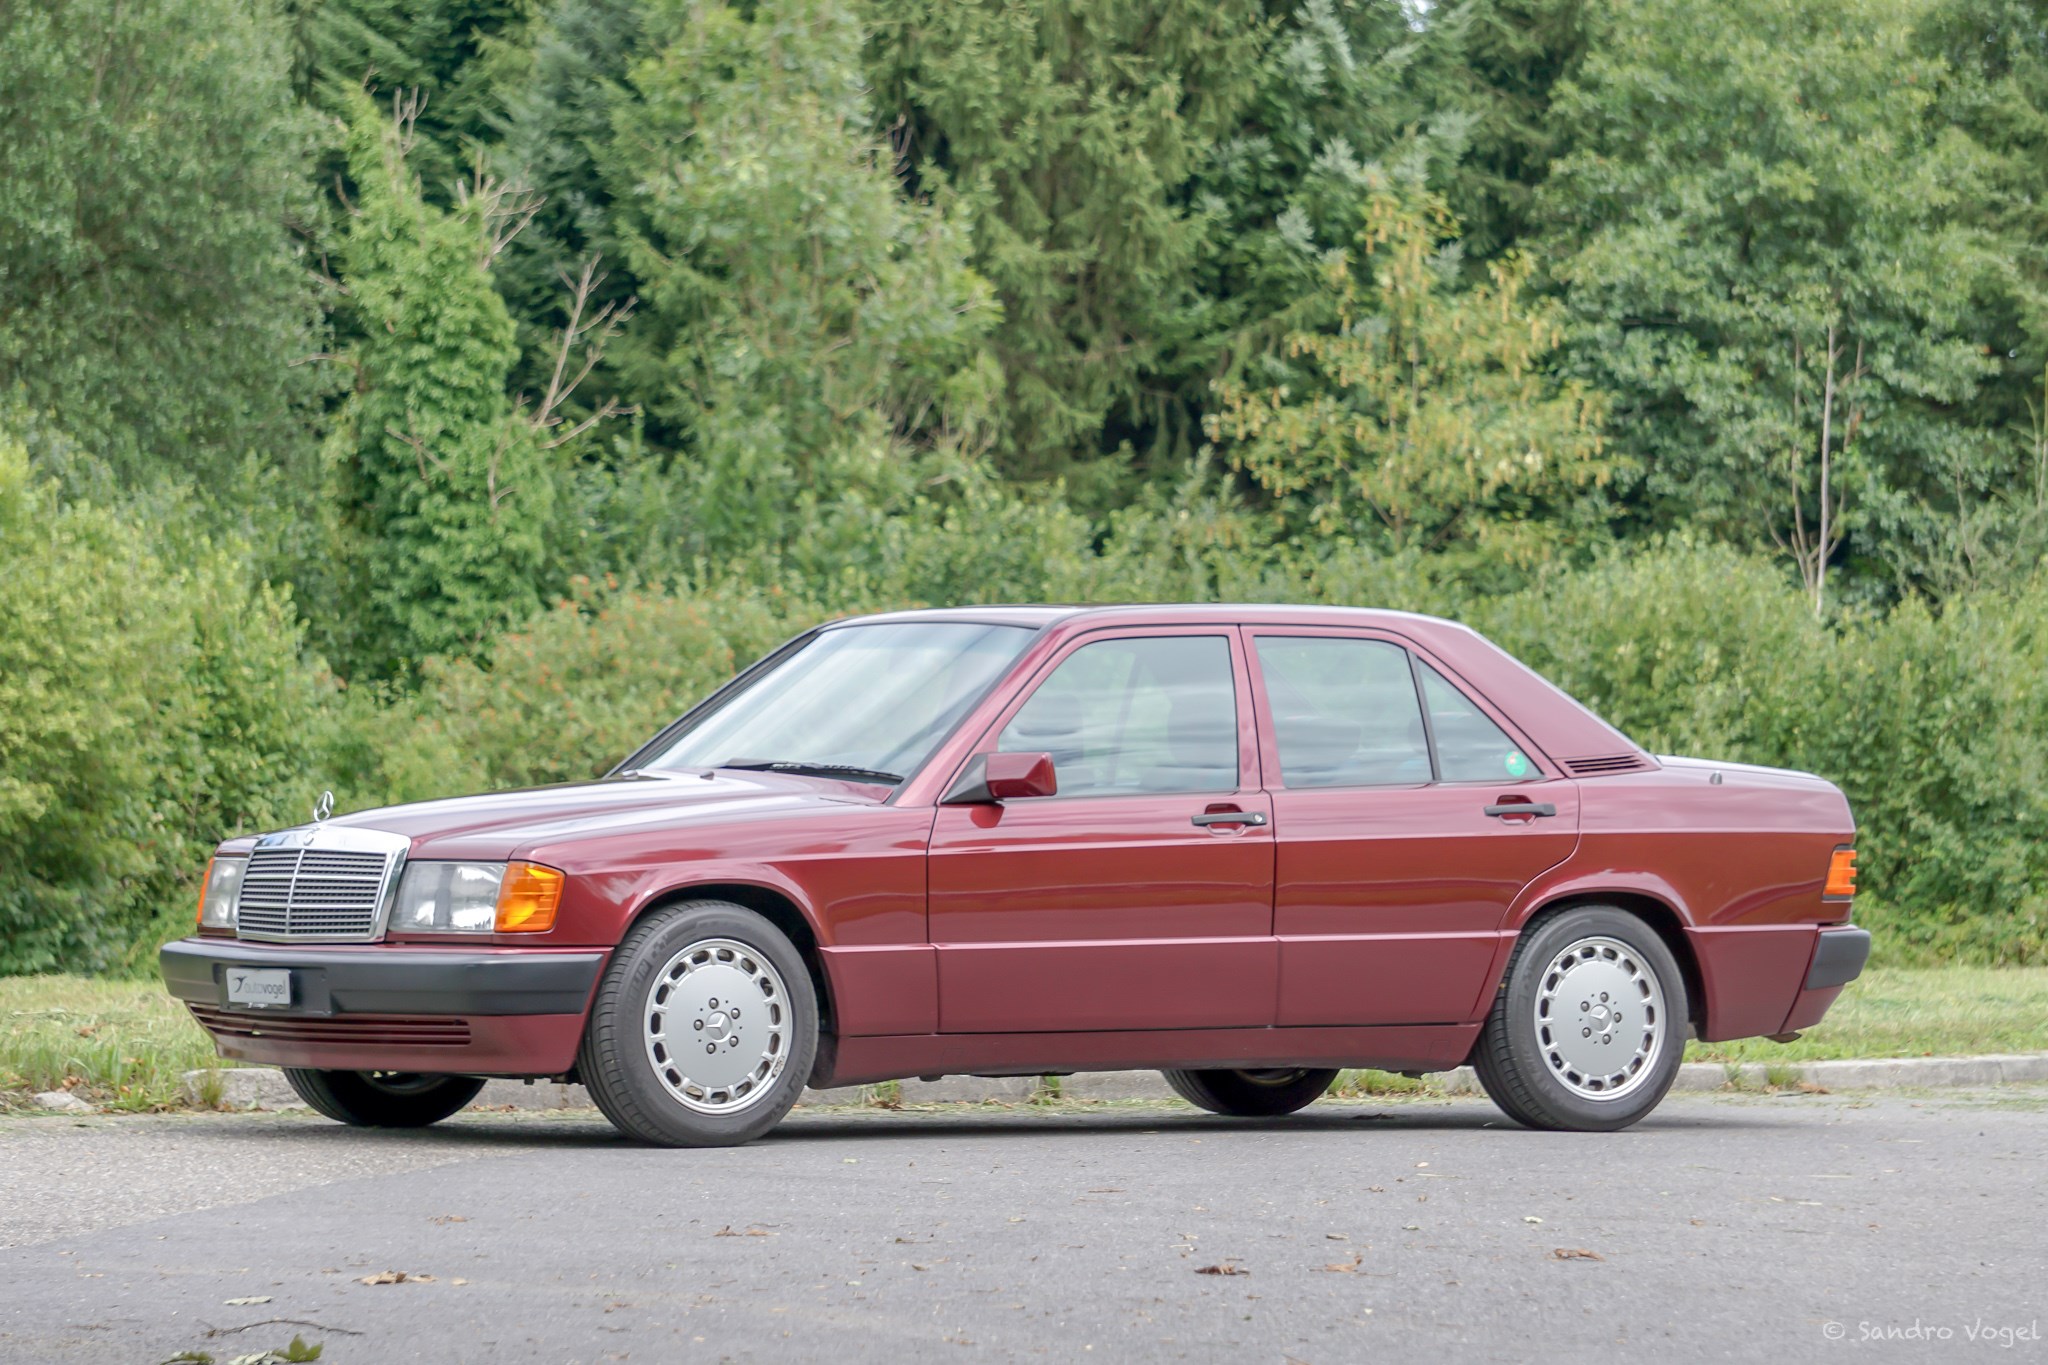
<point>504,824</point>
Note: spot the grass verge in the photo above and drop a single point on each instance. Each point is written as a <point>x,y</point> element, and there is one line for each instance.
<point>118,1044</point>
<point>1914,1012</point>
<point>125,1044</point>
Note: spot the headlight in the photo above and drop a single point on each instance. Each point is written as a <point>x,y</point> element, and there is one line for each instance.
<point>476,898</point>
<point>217,895</point>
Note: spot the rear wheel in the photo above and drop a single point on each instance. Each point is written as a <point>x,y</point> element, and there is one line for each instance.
<point>1588,1031</point>
<point>704,1027</point>
<point>383,1099</point>
<point>1251,1094</point>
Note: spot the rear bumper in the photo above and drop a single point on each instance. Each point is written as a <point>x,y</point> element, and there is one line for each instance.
<point>1838,958</point>
<point>383,1007</point>
<point>1770,979</point>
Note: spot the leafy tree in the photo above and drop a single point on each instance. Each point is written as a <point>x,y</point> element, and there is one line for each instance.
<point>153,296</point>
<point>802,322</point>
<point>448,489</point>
<point>1758,235</point>
<point>1429,421</point>
<point>1995,89</point>
<point>151,700</point>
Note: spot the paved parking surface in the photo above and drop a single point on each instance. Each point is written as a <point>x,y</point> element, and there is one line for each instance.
<point>1747,1228</point>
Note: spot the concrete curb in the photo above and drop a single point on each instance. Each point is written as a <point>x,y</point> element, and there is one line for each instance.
<point>265,1087</point>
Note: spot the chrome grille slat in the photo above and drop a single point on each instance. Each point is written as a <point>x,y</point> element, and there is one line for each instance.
<point>312,893</point>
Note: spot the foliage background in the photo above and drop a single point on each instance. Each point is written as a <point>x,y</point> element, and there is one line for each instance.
<point>408,398</point>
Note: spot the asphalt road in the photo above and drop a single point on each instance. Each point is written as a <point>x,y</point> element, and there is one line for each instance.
<point>1748,1228</point>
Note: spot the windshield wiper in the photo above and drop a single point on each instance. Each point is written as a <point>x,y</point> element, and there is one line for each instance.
<point>849,771</point>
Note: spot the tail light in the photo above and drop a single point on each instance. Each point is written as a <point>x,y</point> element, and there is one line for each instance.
<point>1841,882</point>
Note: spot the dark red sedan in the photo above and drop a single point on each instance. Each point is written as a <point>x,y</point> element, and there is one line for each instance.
<point>1246,845</point>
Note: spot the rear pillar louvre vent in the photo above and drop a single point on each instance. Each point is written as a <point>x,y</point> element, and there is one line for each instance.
<point>1602,765</point>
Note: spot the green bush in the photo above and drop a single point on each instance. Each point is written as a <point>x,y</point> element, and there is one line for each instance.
<point>565,698</point>
<point>1932,724</point>
<point>151,697</point>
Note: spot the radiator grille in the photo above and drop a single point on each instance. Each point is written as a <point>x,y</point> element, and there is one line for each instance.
<point>311,893</point>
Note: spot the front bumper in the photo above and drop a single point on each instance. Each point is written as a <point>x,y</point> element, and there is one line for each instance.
<point>516,1012</point>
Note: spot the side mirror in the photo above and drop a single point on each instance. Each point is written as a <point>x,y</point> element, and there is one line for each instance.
<point>1004,777</point>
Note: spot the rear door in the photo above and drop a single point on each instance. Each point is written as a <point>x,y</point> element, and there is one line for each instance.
<point>1398,842</point>
<point>1132,899</point>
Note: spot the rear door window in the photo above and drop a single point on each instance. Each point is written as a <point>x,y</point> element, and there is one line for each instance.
<point>1469,746</point>
<point>1344,712</point>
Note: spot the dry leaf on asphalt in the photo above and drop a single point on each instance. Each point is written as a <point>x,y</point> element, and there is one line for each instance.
<point>1223,1268</point>
<point>1349,1267</point>
<point>1575,1254</point>
<point>385,1277</point>
<point>238,1303</point>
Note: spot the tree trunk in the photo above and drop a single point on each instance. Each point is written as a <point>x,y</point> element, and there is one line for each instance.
<point>1827,417</point>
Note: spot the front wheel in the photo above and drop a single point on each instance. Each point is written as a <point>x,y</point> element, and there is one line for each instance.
<point>1588,1031</point>
<point>383,1099</point>
<point>1251,1094</point>
<point>703,1030</point>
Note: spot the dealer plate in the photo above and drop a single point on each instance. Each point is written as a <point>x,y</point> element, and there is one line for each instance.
<point>260,986</point>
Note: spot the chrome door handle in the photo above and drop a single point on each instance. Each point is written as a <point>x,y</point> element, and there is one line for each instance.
<point>1229,817</point>
<point>1522,808</point>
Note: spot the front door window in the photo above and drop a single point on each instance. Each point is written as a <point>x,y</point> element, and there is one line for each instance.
<point>1149,715</point>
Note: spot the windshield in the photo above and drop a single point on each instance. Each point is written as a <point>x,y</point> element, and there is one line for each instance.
<point>865,702</point>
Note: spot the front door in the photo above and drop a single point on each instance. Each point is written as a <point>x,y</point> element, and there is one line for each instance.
<point>1131,899</point>
<point>1399,845</point>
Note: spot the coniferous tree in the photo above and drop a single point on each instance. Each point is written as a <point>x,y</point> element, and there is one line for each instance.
<point>1073,128</point>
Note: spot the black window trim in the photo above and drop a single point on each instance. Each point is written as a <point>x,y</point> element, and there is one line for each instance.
<point>1436,768</point>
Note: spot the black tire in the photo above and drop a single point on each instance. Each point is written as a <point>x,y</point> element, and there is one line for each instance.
<point>383,1099</point>
<point>618,1062</point>
<point>1251,1094</point>
<point>1528,1072</point>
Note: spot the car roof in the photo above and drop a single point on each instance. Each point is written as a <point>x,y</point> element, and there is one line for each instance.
<point>1559,725</point>
<point>1038,616</point>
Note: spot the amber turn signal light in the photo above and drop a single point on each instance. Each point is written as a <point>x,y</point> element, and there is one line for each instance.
<point>205,881</point>
<point>527,898</point>
<point>1841,874</point>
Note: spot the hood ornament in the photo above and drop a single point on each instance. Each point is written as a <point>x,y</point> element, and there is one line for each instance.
<point>323,808</point>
